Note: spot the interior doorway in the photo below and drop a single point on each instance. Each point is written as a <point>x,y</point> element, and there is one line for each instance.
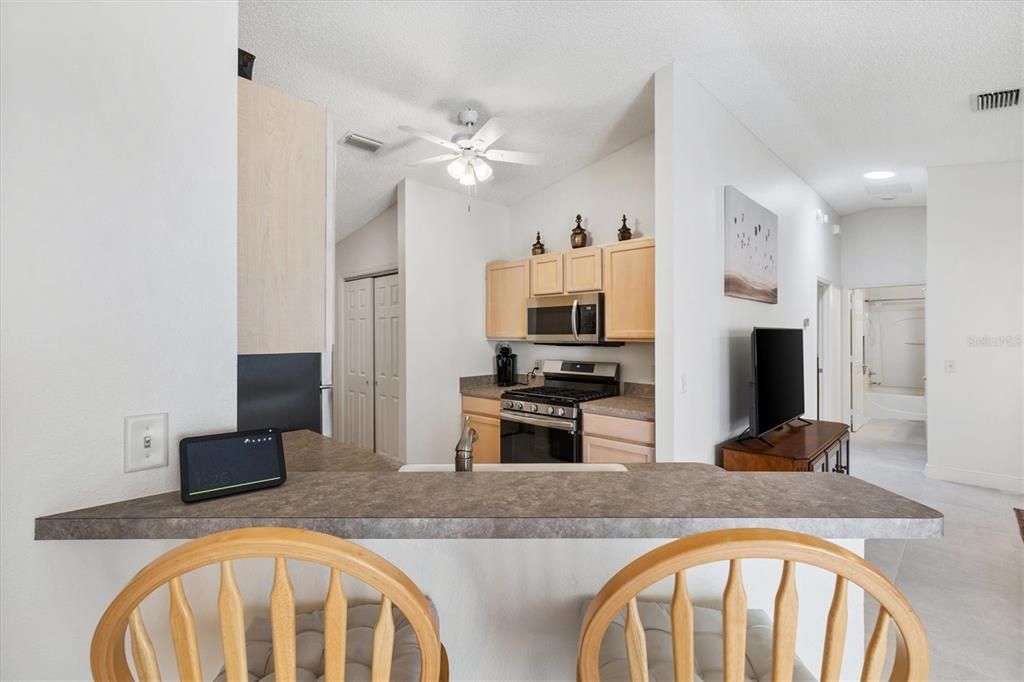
<point>824,315</point>
<point>372,340</point>
<point>887,367</point>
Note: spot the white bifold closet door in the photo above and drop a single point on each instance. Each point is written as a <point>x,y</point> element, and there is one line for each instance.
<point>358,377</point>
<point>372,377</point>
<point>387,337</point>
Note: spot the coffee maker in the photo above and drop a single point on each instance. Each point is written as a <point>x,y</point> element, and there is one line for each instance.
<point>506,364</point>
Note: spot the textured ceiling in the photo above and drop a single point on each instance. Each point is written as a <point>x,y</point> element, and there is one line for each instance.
<point>834,88</point>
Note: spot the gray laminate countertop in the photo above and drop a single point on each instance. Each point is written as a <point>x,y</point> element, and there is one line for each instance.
<point>626,406</point>
<point>356,494</point>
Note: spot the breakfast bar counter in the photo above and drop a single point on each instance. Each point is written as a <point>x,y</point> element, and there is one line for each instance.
<point>510,558</point>
<point>356,494</point>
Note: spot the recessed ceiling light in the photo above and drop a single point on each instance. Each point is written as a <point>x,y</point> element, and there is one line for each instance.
<point>879,175</point>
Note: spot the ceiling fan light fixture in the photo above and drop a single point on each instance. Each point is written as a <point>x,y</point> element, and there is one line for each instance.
<point>457,168</point>
<point>468,179</point>
<point>483,170</point>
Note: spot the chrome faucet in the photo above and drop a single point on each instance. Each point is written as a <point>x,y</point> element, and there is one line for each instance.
<point>464,450</point>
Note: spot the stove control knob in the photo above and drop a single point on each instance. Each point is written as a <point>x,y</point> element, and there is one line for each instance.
<point>533,408</point>
<point>509,404</point>
<point>561,411</point>
<point>551,410</point>
<point>519,406</point>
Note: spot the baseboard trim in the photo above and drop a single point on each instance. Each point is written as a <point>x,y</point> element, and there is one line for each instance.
<point>984,479</point>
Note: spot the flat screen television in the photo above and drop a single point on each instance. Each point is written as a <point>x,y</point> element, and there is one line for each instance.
<point>777,386</point>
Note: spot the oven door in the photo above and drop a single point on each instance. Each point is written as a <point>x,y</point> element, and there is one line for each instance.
<point>532,439</point>
<point>564,319</point>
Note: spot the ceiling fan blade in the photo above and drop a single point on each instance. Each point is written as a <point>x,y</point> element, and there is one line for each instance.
<point>503,156</point>
<point>435,159</point>
<point>489,134</point>
<point>430,137</point>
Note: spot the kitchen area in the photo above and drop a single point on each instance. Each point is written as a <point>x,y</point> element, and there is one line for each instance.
<point>566,410</point>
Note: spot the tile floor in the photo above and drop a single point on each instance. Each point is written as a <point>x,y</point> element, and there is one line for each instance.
<point>968,586</point>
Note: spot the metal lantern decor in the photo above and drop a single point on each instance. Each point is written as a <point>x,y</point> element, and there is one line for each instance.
<point>538,246</point>
<point>578,236</point>
<point>624,231</point>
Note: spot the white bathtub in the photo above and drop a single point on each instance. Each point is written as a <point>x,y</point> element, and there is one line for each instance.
<point>894,402</point>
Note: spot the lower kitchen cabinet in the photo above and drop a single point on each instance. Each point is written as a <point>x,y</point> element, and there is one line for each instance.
<point>614,440</point>
<point>597,450</point>
<point>483,416</point>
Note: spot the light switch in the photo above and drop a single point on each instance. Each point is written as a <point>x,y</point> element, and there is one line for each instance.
<point>950,367</point>
<point>145,442</point>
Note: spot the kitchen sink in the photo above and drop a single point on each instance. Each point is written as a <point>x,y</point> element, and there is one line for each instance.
<point>484,468</point>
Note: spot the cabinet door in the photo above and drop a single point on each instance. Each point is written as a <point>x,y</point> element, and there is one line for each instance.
<point>282,144</point>
<point>598,450</point>
<point>583,270</point>
<point>629,291</point>
<point>487,448</point>
<point>508,287</point>
<point>546,274</point>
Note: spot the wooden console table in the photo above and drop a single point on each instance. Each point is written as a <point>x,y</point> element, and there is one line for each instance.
<point>796,446</point>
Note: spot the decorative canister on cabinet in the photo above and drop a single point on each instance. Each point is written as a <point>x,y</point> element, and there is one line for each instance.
<point>538,246</point>
<point>578,236</point>
<point>624,231</point>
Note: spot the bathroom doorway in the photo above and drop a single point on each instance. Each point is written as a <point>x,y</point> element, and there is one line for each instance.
<point>887,368</point>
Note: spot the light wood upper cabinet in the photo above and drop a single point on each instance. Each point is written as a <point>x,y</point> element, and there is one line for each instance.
<point>629,290</point>
<point>583,269</point>
<point>546,274</point>
<point>508,287</point>
<point>281,222</point>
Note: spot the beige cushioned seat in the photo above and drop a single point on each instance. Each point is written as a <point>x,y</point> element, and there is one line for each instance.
<point>309,647</point>
<point>707,645</point>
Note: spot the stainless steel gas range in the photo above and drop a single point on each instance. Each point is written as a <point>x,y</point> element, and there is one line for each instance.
<point>544,423</point>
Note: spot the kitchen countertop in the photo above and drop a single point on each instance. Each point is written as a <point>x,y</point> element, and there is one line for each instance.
<point>636,401</point>
<point>484,387</point>
<point>626,406</point>
<point>356,494</point>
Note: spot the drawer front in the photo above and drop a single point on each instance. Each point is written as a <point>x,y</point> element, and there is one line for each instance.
<point>481,406</point>
<point>617,428</point>
<point>598,450</point>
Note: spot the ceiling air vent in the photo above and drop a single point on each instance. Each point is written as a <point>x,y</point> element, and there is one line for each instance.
<point>997,100</point>
<point>362,142</point>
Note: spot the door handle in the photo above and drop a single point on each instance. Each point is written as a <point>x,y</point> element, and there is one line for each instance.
<point>326,387</point>
<point>574,315</point>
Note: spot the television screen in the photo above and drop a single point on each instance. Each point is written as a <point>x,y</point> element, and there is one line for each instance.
<point>778,378</point>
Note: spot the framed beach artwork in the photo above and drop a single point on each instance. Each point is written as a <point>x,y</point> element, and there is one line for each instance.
<point>751,249</point>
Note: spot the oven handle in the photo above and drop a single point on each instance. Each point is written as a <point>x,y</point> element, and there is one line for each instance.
<point>575,314</point>
<point>560,424</point>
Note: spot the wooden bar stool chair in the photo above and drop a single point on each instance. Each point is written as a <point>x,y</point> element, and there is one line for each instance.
<point>664,646</point>
<point>416,625</point>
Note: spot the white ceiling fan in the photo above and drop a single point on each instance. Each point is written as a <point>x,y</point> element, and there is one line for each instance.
<point>468,152</point>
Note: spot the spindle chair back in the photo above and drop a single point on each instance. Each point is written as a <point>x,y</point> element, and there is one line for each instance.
<point>674,558</point>
<point>109,659</point>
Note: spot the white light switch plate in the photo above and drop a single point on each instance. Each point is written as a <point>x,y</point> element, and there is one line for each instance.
<point>145,442</point>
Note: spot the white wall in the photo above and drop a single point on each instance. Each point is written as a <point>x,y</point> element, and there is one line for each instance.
<point>442,250</point>
<point>622,182</point>
<point>974,319</point>
<point>119,170</point>
<point>883,246</point>
<point>370,249</point>
<point>699,148</point>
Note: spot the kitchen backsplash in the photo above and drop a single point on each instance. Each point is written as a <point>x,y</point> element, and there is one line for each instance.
<point>636,360</point>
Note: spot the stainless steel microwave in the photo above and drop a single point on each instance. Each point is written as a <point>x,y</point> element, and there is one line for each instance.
<point>573,319</point>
